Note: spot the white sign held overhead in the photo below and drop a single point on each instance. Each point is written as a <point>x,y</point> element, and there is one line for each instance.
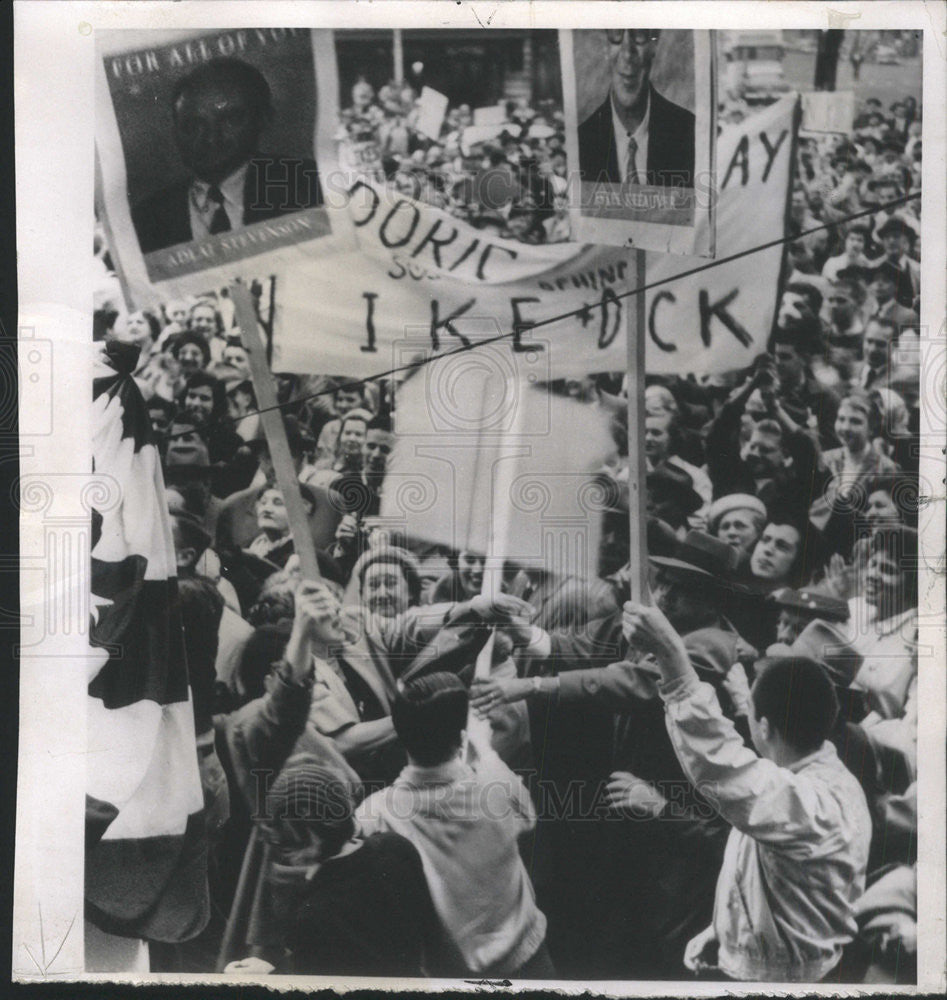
<point>432,106</point>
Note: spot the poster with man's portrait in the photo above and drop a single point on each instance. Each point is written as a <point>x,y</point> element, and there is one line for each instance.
<point>211,149</point>
<point>640,111</point>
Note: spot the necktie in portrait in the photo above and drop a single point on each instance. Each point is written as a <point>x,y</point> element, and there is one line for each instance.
<point>631,164</point>
<point>220,221</point>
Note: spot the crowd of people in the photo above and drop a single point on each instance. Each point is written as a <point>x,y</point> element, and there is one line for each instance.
<point>508,175</point>
<point>720,783</point>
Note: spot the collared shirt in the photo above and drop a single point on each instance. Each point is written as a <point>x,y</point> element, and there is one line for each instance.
<point>888,675</point>
<point>796,857</point>
<point>202,207</point>
<point>464,821</point>
<point>874,378</point>
<point>889,667</point>
<point>640,135</point>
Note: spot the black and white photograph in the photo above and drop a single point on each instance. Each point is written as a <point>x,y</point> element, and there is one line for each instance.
<point>481,498</point>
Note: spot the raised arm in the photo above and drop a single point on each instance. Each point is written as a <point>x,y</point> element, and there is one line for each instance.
<point>262,735</point>
<point>753,794</point>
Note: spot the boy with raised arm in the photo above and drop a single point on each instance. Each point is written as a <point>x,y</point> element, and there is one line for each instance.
<point>796,857</point>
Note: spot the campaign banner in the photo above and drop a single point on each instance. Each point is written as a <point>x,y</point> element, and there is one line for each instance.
<point>719,319</point>
<point>423,282</point>
<point>215,154</point>
<point>641,118</point>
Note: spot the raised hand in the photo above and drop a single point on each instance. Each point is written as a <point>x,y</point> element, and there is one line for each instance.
<point>316,623</point>
<point>838,576</point>
<point>501,607</point>
<point>347,529</point>
<point>627,793</point>
<point>489,693</point>
<point>737,686</point>
<point>647,629</point>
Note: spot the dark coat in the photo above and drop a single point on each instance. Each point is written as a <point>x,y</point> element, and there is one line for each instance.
<point>163,220</point>
<point>670,145</point>
<point>631,892</point>
<point>254,744</point>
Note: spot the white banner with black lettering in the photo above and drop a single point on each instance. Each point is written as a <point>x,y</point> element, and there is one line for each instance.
<point>423,282</point>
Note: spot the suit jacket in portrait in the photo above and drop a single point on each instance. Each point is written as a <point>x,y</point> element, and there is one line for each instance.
<point>671,142</point>
<point>163,219</point>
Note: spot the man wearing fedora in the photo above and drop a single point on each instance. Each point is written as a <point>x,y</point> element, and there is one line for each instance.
<point>672,497</point>
<point>652,887</point>
<point>799,608</point>
<point>898,239</point>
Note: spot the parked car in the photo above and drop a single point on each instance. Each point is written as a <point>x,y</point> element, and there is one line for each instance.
<point>887,55</point>
<point>754,71</point>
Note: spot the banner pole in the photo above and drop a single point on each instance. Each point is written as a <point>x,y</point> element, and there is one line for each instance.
<point>497,544</point>
<point>636,338</point>
<point>398,56</point>
<point>272,422</point>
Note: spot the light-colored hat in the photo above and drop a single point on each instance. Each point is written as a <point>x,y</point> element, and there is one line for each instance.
<point>734,501</point>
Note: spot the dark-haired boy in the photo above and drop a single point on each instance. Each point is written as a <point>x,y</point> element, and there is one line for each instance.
<point>796,858</point>
<point>465,820</point>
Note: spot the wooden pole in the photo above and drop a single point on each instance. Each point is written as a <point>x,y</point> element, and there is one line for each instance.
<point>272,422</point>
<point>497,542</point>
<point>636,335</point>
<point>398,56</point>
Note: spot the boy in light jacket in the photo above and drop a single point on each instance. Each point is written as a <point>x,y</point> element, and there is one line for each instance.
<point>795,861</point>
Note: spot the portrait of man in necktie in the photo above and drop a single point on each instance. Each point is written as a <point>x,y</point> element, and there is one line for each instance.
<point>219,112</point>
<point>636,136</point>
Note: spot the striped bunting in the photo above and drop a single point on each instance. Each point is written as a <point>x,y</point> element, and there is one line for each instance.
<point>146,855</point>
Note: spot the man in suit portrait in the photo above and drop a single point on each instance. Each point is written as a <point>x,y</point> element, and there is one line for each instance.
<point>219,112</point>
<point>636,136</point>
